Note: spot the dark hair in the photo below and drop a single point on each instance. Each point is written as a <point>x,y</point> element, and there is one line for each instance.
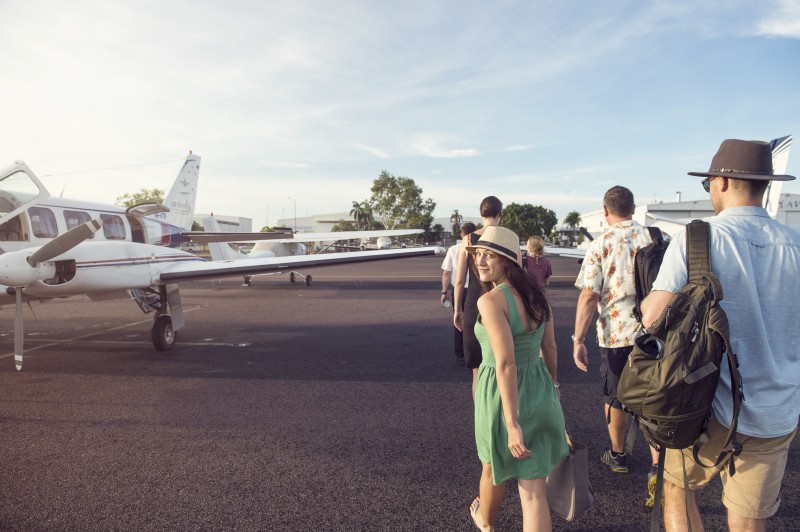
<point>491,207</point>
<point>754,188</point>
<point>619,201</point>
<point>533,297</point>
<point>468,228</point>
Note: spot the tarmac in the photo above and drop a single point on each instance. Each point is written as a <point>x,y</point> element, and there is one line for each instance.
<point>335,406</point>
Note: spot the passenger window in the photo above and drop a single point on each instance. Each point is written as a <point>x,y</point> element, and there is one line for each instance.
<point>76,218</point>
<point>11,231</point>
<point>43,222</point>
<point>113,227</point>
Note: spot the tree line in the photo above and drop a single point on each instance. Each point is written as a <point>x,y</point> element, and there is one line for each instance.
<point>399,204</point>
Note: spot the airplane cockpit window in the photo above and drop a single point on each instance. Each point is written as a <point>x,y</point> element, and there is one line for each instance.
<point>113,227</point>
<point>76,218</point>
<point>43,222</point>
<point>16,190</point>
<point>11,231</point>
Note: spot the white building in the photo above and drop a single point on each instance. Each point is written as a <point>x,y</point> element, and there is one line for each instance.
<point>229,224</point>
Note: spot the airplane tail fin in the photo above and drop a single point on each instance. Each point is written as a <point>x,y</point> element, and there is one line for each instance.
<point>181,197</point>
<point>220,250</point>
<point>780,160</point>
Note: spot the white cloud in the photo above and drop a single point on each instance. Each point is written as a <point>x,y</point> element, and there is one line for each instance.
<point>373,151</point>
<point>783,21</point>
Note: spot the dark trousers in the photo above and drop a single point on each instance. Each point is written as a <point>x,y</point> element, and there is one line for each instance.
<point>458,336</point>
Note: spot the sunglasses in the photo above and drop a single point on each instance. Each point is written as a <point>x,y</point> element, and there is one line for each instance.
<point>707,183</point>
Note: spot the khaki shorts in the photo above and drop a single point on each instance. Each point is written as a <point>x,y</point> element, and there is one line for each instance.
<point>753,491</point>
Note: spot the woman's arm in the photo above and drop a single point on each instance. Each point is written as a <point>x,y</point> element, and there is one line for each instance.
<point>458,287</point>
<point>549,349</point>
<point>493,309</point>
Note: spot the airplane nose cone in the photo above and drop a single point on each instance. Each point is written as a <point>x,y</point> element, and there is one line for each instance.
<point>16,271</point>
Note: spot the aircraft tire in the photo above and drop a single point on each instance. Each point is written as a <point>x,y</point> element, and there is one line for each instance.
<point>308,280</point>
<point>164,335</point>
<point>291,277</point>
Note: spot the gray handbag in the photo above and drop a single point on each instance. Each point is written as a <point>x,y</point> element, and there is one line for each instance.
<point>569,492</point>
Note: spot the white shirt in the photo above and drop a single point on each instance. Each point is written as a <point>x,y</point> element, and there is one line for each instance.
<point>450,263</point>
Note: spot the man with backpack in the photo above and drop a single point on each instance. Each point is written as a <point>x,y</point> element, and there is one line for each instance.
<point>757,262</point>
<point>606,282</point>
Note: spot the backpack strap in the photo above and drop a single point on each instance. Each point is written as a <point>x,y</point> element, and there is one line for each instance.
<point>655,234</point>
<point>698,258</point>
<point>698,249</point>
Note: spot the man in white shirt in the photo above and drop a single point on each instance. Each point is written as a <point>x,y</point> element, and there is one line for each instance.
<point>448,267</point>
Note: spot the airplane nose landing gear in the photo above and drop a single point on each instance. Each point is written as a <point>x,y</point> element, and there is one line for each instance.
<point>164,335</point>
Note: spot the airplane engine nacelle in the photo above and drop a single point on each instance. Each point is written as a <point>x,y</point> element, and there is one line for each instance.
<point>16,271</point>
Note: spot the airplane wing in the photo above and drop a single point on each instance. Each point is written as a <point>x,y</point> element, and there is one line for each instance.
<point>187,271</point>
<point>566,252</point>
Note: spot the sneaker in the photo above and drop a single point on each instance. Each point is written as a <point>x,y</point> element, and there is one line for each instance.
<point>617,462</point>
<point>651,486</point>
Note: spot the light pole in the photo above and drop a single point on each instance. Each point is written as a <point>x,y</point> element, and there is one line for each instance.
<point>295,214</point>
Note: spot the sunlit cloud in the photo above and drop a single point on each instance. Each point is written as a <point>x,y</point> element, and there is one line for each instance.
<point>380,154</point>
<point>782,21</point>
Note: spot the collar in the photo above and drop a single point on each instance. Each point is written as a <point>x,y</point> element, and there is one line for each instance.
<point>744,211</point>
<point>623,224</point>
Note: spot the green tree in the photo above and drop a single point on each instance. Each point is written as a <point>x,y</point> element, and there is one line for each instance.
<point>197,226</point>
<point>398,201</point>
<point>456,220</point>
<point>144,195</point>
<point>527,220</point>
<point>434,234</point>
<point>573,220</point>
<point>343,225</point>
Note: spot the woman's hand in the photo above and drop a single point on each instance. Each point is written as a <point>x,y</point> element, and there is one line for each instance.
<point>516,444</point>
<point>458,320</point>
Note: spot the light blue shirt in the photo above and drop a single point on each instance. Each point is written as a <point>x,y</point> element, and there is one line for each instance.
<point>757,260</point>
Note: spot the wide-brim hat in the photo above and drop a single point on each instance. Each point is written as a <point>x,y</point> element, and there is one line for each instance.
<point>743,159</point>
<point>502,241</point>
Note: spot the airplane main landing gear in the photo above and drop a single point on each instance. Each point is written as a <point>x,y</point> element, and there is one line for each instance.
<point>292,277</point>
<point>164,335</point>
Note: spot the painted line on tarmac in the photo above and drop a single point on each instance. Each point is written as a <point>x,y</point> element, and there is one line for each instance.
<point>93,333</point>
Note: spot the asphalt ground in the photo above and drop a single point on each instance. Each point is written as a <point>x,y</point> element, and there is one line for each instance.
<point>337,406</point>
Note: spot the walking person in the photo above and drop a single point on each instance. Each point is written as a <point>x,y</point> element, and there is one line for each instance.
<point>536,263</point>
<point>519,424</point>
<point>449,264</point>
<point>466,307</point>
<point>757,261</point>
<point>606,284</point>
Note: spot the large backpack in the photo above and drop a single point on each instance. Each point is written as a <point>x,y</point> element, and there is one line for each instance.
<point>672,372</point>
<point>646,263</point>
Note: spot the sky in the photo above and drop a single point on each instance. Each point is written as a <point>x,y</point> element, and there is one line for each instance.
<point>301,104</point>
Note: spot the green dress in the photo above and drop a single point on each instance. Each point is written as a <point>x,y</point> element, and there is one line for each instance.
<point>539,410</point>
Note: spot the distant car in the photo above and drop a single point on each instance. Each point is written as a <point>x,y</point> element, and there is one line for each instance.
<point>193,247</point>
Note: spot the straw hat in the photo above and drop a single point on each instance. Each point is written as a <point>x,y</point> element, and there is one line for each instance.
<point>502,241</point>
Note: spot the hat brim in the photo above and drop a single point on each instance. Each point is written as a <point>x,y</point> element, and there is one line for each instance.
<point>494,248</point>
<point>751,177</point>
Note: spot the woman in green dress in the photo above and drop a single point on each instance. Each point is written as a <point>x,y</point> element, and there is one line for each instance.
<point>519,425</point>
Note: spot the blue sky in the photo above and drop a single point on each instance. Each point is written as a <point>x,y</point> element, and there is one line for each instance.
<point>542,102</point>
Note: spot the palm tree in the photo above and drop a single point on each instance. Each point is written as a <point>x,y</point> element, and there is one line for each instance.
<point>366,214</point>
<point>456,219</point>
<point>573,220</point>
<point>355,212</point>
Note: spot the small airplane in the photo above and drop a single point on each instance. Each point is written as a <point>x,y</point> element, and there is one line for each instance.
<point>153,224</point>
<point>291,245</point>
<point>120,267</point>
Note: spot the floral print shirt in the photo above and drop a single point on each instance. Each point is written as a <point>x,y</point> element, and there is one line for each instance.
<point>607,270</point>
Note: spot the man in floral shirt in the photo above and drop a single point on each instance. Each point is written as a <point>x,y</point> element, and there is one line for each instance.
<point>606,283</point>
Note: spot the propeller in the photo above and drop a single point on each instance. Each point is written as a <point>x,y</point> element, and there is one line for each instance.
<point>22,268</point>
